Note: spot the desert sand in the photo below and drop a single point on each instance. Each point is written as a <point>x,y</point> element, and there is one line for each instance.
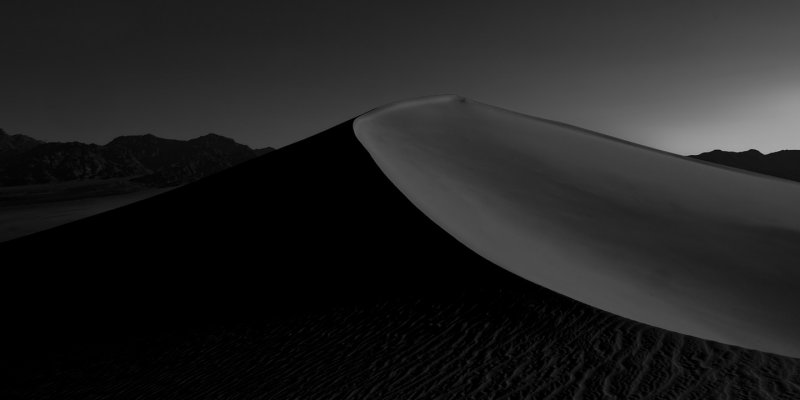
<point>307,274</point>
<point>661,239</point>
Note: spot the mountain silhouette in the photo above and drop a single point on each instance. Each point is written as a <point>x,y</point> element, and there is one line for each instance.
<point>15,144</point>
<point>147,159</point>
<point>782,164</point>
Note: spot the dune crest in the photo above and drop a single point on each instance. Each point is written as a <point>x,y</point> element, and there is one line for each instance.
<point>651,236</point>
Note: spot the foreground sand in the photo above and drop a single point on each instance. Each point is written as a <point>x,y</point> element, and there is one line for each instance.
<point>495,343</point>
<point>706,251</point>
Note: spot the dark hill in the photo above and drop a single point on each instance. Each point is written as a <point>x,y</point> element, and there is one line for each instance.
<point>782,164</point>
<point>307,274</point>
<point>60,162</point>
<point>15,144</point>
<point>152,151</point>
<point>151,160</point>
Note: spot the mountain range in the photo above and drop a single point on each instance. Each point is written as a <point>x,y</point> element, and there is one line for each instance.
<point>152,161</point>
<point>145,159</point>
<point>782,164</point>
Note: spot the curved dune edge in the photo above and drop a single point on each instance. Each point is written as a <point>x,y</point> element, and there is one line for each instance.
<point>648,235</point>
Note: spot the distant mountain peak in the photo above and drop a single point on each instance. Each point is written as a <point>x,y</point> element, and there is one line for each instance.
<point>783,164</point>
<point>213,137</point>
<point>718,152</point>
<point>12,145</point>
<point>145,138</point>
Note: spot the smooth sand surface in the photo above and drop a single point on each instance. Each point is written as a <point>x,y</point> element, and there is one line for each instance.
<point>678,244</point>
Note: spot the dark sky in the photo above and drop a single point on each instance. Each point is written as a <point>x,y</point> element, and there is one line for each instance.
<point>683,76</point>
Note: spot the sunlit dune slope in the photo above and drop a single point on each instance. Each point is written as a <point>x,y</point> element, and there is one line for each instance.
<point>671,242</point>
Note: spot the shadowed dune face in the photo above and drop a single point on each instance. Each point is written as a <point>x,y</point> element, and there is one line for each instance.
<point>650,236</point>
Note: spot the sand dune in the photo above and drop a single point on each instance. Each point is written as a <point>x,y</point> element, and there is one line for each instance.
<point>307,274</point>
<point>661,239</point>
